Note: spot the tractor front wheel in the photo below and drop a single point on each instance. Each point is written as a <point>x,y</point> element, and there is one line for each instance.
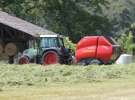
<point>23,60</point>
<point>50,57</point>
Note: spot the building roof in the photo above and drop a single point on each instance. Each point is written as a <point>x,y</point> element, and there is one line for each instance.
<point>22,25</point>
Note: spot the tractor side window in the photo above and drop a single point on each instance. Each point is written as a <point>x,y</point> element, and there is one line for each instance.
<point>61,43</point>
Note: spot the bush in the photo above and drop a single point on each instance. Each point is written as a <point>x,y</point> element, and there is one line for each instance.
<point>126,42</point>
<point>69,44</point>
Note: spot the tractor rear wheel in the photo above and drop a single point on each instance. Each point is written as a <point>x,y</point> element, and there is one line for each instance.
<point>24,60</point>
<point>50,57</point>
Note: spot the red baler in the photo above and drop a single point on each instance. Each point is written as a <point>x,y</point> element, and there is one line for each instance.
<point>97,50</point>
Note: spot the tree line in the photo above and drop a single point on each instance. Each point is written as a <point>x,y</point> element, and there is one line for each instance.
<point>75,18</point>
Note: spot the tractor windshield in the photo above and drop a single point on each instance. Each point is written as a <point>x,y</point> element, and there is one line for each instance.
<point>47,42</point>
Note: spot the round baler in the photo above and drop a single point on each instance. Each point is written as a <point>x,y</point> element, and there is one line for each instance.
<point>97,50</point>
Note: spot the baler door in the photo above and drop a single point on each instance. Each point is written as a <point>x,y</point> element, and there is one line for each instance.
<point>116,49</point>
<point>116,52</point>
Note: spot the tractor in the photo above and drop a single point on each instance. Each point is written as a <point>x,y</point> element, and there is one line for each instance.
<point>47,49</point>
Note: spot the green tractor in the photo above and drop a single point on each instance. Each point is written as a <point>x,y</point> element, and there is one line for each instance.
<point>48,49</point>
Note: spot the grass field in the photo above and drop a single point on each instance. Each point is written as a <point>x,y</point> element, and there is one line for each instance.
<point>62,82</point>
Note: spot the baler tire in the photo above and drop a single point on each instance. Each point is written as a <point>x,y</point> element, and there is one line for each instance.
<point>90,61</point>
<point>82,62</point>
<point>95,62</point>
<point>50,57</point>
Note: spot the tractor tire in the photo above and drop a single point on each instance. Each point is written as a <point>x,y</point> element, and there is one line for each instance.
<point>50,57</point>
<point>23,60</point>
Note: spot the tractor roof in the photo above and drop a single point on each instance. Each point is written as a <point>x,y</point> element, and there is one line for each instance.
<point>51,35</point>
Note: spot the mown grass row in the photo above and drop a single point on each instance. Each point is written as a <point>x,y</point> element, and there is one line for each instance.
<point>37,75</point>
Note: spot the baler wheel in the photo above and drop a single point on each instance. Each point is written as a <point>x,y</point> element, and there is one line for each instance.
<point>50,57</point>
<point>95,62</point>
<point>90,61</point>
<point>24,60</point>
<point>82,62</point>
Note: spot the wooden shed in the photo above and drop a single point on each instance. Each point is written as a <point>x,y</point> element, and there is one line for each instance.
<point>17,32</point>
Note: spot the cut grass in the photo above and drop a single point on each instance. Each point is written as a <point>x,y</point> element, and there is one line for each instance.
<point>63,82</point>
<point>37,75</point>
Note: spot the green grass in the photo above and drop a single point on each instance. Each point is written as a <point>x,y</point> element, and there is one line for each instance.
<point>63,82</point>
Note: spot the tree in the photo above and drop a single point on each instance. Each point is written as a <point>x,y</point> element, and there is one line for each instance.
<point>121,15</point>
<point>76,18</point>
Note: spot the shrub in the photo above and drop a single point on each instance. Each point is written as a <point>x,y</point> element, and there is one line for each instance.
<point>69,44</point>
<point>126,42</point>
